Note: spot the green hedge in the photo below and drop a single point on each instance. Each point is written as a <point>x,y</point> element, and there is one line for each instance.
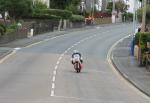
<point>128,16</point>
<point>143,38</point>
<point>45,16</point>
<point>2,29</point>
<point>77,18</point>
<point>52,13</point>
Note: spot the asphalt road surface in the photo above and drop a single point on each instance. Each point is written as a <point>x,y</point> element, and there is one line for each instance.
<point>43,73</point>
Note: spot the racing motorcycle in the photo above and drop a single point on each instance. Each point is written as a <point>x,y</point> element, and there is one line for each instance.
<point>77,66</point>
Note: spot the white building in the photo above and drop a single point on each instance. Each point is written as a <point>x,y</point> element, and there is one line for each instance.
<point>47,2</point>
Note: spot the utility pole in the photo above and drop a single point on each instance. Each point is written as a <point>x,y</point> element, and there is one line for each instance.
<point>144,16</point>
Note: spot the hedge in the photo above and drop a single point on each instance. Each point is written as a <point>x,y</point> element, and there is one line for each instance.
<point>2,29</point>
<point>77,18</point>
<point>45,16</point>
<point>143,38</point>
<point>64,14</point>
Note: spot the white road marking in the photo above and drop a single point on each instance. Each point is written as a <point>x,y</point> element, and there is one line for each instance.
<point>56,67</point>
<point>53,85</point>
<point>60,58</point>
<point>7,56</point>
<point>53,79</point>
<point>58,62</point>
<point>54,72</point>
<point>18,48</point>
<point>52,93</point>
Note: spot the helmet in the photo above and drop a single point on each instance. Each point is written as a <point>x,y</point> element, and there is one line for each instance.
<point>75,51</point>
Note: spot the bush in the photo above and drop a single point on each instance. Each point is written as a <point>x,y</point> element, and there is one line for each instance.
<point>77,18</point>
<point>64,14</point>
<point>128,16</point>
<point>2,29</point>
<point>143,38</point>
<point>45,16</point>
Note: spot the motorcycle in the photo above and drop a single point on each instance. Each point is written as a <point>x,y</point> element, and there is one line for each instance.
<point>77,66</point>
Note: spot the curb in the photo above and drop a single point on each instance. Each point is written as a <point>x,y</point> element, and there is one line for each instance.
<point>125,76</point>
<point>5,54</point>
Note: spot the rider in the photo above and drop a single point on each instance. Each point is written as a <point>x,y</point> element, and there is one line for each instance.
<point>76,55</point>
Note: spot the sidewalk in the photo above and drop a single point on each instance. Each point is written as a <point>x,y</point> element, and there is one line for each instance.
<point>128,67</point>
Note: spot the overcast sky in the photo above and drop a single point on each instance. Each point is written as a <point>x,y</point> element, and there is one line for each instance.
<point>131,3</point>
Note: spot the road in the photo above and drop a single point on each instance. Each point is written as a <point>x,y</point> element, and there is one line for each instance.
<point>42,73</point>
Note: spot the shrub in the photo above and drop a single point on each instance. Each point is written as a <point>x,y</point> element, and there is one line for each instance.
<point>2,29</point>
<point>143,38</point>
<point>64,14</point>
<point>77,18</point>
<point>45,16</point>
<point>128,16</point>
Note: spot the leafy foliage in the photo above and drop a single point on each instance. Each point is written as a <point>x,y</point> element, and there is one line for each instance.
<point>48,13</point>
<point>16,8</point>
<point>39,5</point>
<point>120,6</point>
<point>77,18</point>
<point>60,4</point>
<point>128,16</point>
<point>2,29</point>
<point>147,14</point>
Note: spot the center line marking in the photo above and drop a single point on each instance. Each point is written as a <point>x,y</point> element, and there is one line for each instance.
<point>53,79</point>
<point>56,67</point>
<point>53,85</point>
<point>57,62</point>
<point>52,93</point>
<point>54,72</point>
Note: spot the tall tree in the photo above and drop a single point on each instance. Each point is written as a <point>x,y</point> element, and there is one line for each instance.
<point>120,6</point>
<point>19,8</point>
<point>3,8</point>
<point>16,8</point>
<point>62,4</point>
<point>73,6</point>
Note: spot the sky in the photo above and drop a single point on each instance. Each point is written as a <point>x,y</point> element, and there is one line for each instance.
<point>131,3</point>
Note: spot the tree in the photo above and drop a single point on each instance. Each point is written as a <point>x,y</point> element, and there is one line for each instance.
<point>60,4</point>
<point>3,8</point>
<point>16,8</point>
<point>39,5</point>
<point>73,6</point>
<point>120,6</point>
